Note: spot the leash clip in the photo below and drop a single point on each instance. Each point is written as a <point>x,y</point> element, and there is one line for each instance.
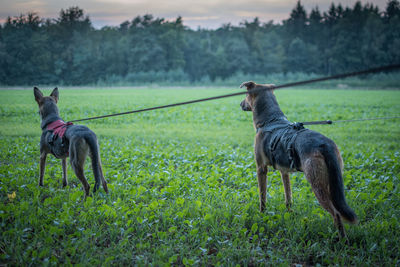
<point>297,125</point>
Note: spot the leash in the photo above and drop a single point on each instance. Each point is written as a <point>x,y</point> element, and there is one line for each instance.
<point>351,120</point>
<point>334,77</point>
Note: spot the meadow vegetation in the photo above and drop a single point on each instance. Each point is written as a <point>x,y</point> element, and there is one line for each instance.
<point>183,186</point>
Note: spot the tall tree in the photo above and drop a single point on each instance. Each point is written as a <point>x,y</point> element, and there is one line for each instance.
<point>69,50</point>
<point>296,24</point>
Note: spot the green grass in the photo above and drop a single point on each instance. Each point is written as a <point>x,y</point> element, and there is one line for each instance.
<point>183,187</point>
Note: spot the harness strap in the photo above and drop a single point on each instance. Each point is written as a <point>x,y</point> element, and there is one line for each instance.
<point>58,127</point>
<point>283,133</point>
<point>290,148</point>
<point>57,141</point>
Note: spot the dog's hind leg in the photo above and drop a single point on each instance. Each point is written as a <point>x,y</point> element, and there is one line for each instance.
<point>78,152</point>
<point>317,174</point>
<point>64,172</point>
<point>339,225</point>
<point>288,189</point>
<point>98,173</point>
<point>42,167</point>
<point>96,163</point>
<point>103,181</point>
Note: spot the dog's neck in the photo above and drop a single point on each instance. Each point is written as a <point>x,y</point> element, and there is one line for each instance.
<point>266,110</point>
<point>49,119</point>
<point>49,115</point>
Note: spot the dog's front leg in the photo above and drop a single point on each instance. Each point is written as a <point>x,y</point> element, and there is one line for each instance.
<point>288,189</point>
<point>262,185</point>
<point>42,167</point>
<point>64,172</point>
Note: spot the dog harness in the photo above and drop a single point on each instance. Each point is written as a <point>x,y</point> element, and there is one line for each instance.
<point>59,145</point>
<point>58,127</point>
<point>279,145</point>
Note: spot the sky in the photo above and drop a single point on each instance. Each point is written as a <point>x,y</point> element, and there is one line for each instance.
<point>209,14</point>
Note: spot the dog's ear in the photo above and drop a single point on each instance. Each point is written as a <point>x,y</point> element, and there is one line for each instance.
<point>38,95</point>
<point>249,85</point>
<point>55,94</point>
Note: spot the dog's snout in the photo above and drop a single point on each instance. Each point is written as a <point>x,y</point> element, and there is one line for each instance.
<point>245,106</point>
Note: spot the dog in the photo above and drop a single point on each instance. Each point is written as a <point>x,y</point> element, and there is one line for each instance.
<point>65,139</point>
<point>289,147</point>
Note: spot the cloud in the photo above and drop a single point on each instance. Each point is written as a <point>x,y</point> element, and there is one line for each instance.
<point>206,13</point>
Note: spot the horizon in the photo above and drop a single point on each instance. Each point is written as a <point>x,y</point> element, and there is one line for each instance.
<point>205,15</point>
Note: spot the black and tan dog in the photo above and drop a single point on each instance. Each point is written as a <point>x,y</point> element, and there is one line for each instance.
<point>64,139</point>
<point>289,147</point>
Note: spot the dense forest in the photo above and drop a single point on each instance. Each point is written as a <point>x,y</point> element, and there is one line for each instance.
<point>70,51</point>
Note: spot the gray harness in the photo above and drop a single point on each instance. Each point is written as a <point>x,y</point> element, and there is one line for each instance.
<point>279,145</point>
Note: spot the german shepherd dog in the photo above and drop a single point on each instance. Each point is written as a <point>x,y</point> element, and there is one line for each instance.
<point>63,140</point>
<point>289,147</point>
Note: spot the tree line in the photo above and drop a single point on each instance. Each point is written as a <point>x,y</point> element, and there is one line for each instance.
<point>70,51</point>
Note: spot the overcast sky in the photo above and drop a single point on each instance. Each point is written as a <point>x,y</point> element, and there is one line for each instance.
<point>204,13</point>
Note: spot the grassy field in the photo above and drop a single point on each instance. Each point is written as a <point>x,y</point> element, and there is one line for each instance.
<point>183,187</point>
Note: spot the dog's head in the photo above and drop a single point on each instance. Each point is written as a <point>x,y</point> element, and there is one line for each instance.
<point>253,91</point>
<point>47,104</point>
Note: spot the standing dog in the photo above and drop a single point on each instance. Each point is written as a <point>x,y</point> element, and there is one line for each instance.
<point>289,147</point>
<point>64,139</point>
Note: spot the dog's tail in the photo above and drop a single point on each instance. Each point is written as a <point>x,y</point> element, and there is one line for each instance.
<point>96,162</point>
<point>336,187</point>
